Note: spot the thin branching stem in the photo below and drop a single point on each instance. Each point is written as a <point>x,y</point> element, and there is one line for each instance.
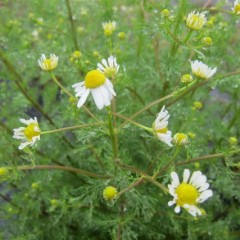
<point>72,128</point>
<point>64,168</point>
<point>73,31</point>
<point>210,156</point>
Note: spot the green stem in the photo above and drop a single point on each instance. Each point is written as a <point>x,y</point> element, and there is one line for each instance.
<point>112,134</point>
<point>168,164</point>
<point>61,86</point>
<point>210,156</point>
<point>110,42</point>
<point>151,179</point>
<point>134,184</point>
<point>135,123</point>
<point>188,36</point>
<point>234,119</point>
<point>143,175</point>
<point>70,16</point>
<point>147,107</point>
<point>64,168</point>
<point>72,127</point>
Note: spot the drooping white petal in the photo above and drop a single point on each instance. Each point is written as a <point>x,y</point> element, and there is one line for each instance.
<point>83,98</point>
<point>98,99</point>
<point>177,209</point>
<point>204,196</point>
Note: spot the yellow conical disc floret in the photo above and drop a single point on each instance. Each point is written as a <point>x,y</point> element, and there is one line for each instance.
<point>94,79</point>
<point>187,194</point>
<point>32,130</point>
<point>110,193</point>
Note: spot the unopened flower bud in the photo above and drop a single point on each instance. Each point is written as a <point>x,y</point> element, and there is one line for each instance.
<point>197,105</point>
<point>165,13</point>
<point>121,35</point>
<point>186,78</point>
<point>207,41</point>
<point>233,141</point>
<point>180,139</point>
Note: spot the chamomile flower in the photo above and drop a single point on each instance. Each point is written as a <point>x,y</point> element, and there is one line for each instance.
<point>195,21</point>
<point>108,67</point>
<point>236,7</point>
<point>160,127</point>
<point>109,28</point>
<point>97,84</point>
<point>48,64</point>
<point>189,194</point>
<point>29,134</point>
<point>202,70</point>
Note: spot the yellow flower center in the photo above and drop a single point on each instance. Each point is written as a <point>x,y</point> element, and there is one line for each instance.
<point>94,79</point>
<point>110,72</point>
<point>48,63</point>
<point>186,194</point>
<point>30,131</point>
<point>237,9</point>
<point>3,171</point>
<point>200,74</point>
<point>180,138</point>
<point>162,130</point>
<point>110,193</point>
<point>196,22</point>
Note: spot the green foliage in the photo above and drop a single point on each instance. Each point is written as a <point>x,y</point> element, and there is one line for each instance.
<point>54,189</point>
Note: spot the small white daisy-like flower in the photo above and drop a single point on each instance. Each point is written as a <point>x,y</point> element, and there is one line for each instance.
<point>236,7</point>
<point>100,87</point>
<point>189,194</point>
<point>160,127</point>
<point>108,67</point>
<point>202,70</point>
<point>195,21</point>
<point>48,64</point>
<point>109,28</point>
<point>29,134</point>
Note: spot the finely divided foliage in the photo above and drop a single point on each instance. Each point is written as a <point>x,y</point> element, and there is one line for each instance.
<point>129,113</point>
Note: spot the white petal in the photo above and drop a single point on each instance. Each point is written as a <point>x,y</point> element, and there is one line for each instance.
<point>23,145</point>
<point>195,176</point>
<point>170,203</point>
<point>109,86</point>
<point>204,196</point>
<point>204,187</point>
<point>80,84</point>
<point>104,62</point>
<point>83,98</point>
<point>175,179</point>
<point>100,67</point>
<point>177,209</point>
<point>110,61</point>
<point>186,175</point>
<point>98,99</point>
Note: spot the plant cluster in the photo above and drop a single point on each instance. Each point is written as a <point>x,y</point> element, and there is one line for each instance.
<point>119,120</point>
